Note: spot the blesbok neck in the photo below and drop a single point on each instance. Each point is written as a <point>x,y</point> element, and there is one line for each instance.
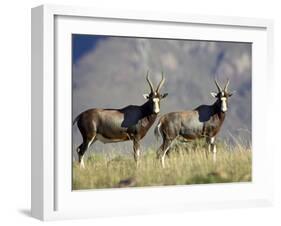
<point>217,109</point>
<point>147,108</point>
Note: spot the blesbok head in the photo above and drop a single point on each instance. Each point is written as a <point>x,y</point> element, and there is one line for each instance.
<point>222,95</point>
<point>154,97</point>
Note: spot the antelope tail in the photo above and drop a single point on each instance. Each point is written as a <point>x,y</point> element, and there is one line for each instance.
<point>76,119</point>
<point>157,130</point>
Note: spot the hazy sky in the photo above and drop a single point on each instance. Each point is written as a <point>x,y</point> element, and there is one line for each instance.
<point>109,72</point>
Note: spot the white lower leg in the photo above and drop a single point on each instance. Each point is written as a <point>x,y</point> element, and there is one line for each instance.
<point>214,153</point>
<point>163,157</point>
<point>163,160</point>
<point>137,157</point>
<point>164,154</point>
<point>82,165</point>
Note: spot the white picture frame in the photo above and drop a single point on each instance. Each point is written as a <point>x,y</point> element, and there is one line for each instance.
<point>52,197</point>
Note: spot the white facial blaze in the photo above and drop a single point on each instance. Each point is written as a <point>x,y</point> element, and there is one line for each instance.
<point>223,104</point>
<point>156,107</point>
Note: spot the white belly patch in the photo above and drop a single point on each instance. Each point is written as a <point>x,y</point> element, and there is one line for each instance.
<point>106,140</point>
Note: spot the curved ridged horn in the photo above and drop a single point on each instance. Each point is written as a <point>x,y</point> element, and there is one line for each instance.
<point>161,83</point>
<point>150,83</point>
<point>218,86</point>
<point>226,85</point>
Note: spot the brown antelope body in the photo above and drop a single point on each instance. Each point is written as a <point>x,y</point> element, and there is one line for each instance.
<point>203,122</point>
<point>116,125</point>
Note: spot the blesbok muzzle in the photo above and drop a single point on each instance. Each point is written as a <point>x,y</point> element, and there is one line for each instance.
<point>156,105</point>
<point>223,104</point>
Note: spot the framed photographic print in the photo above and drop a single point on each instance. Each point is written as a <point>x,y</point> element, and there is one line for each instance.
<point>134,112</point>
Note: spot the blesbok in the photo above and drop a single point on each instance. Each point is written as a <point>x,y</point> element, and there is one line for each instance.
<point>203,122</point>
<point>116,125</point>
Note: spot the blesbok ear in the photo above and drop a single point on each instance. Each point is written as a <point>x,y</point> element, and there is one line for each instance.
<point>214,94</point>
<point>164,95</point>
<point>230,94</point>
<point>146,96</point>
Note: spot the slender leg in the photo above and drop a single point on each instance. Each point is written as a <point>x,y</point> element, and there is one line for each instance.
<point>214,153</point>
<point>207,151</point>
<point>136,147</point>
<point>213,149</point>
<point>165,147</point>
<point>82,149</point>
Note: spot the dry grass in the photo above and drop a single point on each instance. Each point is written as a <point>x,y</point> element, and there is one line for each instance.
<point>183,166</point>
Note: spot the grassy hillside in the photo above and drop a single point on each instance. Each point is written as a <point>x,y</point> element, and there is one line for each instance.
<point>185,165</point>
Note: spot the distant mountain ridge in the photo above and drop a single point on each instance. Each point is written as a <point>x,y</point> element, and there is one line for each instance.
<point>113,76</point>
